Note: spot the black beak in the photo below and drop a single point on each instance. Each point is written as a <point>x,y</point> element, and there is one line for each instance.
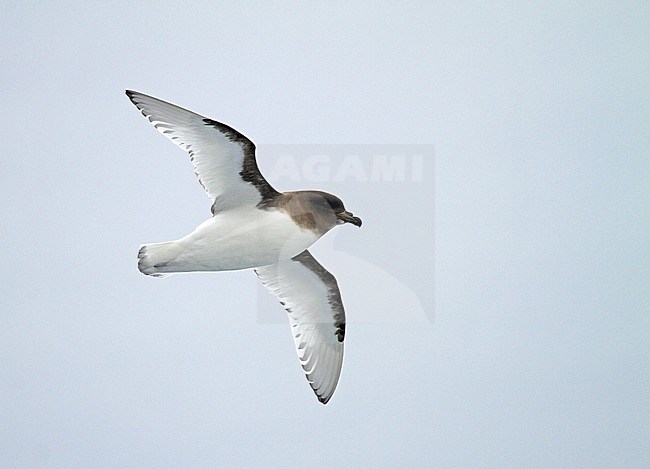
<point>347,217</point>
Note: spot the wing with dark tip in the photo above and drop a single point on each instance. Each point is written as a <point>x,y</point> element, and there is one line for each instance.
<point>312,299</point>
<point>223,159</point>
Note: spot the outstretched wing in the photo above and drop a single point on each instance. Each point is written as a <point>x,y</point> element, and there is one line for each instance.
<point>223,159</point>
<point>312,299</point>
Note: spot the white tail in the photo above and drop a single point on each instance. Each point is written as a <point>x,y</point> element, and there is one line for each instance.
<point>155,259</point>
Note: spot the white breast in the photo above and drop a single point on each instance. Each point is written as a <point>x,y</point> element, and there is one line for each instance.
<point>239,239</point>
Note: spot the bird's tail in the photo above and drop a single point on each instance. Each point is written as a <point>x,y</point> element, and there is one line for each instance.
<point>157,259</point>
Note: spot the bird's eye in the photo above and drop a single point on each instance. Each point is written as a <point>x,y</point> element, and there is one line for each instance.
<point>336,205</point>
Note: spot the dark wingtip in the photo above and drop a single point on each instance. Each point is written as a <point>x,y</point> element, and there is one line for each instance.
<point>131,94</point>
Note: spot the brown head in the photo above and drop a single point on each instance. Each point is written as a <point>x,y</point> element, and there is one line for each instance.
<point>314,210</point>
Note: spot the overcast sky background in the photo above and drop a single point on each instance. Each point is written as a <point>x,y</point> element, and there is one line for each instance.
<point>536,353</point>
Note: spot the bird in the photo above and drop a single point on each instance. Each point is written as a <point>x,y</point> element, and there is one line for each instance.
<point>253,226</point>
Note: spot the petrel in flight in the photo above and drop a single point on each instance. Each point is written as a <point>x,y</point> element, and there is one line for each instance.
<point>255,226</point>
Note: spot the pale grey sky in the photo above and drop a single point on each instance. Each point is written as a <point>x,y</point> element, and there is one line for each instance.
<point>533,235</point>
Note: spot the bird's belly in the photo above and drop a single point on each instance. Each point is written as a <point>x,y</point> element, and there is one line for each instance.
<point>232,241</point>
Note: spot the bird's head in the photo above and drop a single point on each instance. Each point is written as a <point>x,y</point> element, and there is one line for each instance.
<point>342,215</point>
